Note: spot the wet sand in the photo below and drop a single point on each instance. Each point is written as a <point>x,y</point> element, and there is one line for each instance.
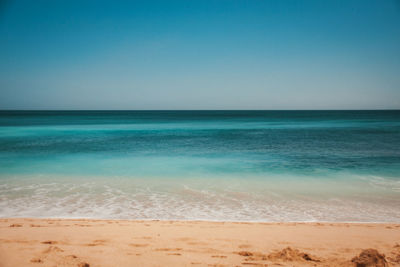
<point>67,242</point>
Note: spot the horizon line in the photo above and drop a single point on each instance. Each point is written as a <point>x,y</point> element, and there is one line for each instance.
<point>387,109</point>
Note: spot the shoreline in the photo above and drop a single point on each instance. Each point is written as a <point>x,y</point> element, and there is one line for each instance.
<point>199,220</point>
<point>104,242</point>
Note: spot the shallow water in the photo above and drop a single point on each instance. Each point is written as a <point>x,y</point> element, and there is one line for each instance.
<point>207,165</point>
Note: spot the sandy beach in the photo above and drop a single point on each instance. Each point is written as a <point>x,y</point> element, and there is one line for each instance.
<point>70,242</point>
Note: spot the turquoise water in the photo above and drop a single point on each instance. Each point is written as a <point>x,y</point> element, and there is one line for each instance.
<point>205,165</point>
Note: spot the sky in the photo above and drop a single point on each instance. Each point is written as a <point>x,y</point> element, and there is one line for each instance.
<point>227,54</point>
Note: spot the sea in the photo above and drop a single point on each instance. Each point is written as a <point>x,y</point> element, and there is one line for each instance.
<point>258,166</point>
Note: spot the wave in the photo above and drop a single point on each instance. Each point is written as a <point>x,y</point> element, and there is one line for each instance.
<point>196,199</point>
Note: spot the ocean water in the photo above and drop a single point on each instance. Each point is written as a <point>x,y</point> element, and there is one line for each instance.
<point>201,165</point>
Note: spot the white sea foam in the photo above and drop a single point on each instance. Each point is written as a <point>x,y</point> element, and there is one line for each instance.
<point>382,182</point>
<point>185,199</point>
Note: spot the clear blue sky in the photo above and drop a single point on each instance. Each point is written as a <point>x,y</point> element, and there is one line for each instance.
<point>200,54</point>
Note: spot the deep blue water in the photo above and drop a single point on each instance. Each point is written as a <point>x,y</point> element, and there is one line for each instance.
<point>343,155</point>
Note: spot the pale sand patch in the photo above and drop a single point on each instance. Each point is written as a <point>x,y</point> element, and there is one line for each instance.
<point>59,242</point>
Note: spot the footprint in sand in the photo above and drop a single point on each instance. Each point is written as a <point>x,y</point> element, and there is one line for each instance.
<point>244,253</point>
<point>53,249</point>
<point>168,249</point>
<point>98,242</point>
<point>71,256</point>
<point>36,260</point>
<point>15,225</point>
<point>49,242</point>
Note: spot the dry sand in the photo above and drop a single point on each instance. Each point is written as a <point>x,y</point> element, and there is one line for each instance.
<point>53,242</point>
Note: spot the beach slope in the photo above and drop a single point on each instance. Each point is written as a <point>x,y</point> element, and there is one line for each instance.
<point>67,242</point>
